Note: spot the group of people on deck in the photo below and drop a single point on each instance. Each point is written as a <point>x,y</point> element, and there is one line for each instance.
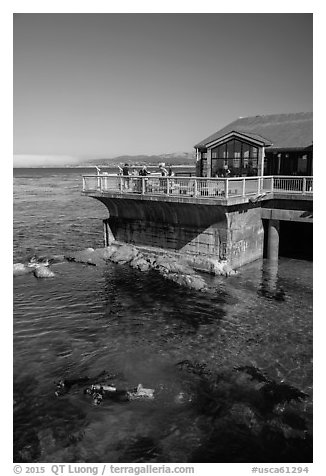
<point>143,172</point>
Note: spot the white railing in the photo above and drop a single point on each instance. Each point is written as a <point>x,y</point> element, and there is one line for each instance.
<point>200,187</point>
<point>300,185</point>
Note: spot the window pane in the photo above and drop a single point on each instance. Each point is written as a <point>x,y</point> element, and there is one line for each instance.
<point>221,153</point>
<point>237,149</point>
<point>254,158</point>
<point>217,167</point>
<point>230,149</point>
<point>236,163</point>
<point>253,152</point>
<point>245,150</point>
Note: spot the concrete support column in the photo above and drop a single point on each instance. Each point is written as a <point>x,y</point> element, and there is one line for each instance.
<point>273,239</point>
<point>108,235</point>
<point>209,162</point>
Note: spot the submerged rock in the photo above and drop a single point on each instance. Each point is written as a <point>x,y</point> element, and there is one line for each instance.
<point>20,269</point>
<point>43,272</point>
<point>195,282</point>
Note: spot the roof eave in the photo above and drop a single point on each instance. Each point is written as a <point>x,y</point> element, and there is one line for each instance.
<point>240,135</point>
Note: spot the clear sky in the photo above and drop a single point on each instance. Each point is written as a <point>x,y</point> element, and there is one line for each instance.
<point>111,84</point>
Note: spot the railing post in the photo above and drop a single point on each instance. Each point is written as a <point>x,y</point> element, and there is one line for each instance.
<point>272,184</point>
<point>304,185</point>
<point>243,187</point>
<point>195,188</point>
<point>143,186</point>
<point>84,184</point>
<point>226,185</point>
<point>167,185</point>
<point>120,183</point>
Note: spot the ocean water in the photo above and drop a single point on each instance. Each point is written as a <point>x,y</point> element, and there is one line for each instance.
<point>232,370</point>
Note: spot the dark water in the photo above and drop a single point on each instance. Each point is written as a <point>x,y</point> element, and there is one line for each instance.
<point>246,349</point>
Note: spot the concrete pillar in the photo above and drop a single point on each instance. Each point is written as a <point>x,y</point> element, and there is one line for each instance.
<point>270,277</point>
<point>209,162</point>
<point>108,235</point>
<point>273,239</point>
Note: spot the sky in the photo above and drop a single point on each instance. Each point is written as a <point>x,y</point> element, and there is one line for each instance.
<point>103,85</point>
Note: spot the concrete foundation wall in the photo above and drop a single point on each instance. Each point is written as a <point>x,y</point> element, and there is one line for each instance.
<point>225,233</point>
<point>245,236</point>
<point>172,237</point>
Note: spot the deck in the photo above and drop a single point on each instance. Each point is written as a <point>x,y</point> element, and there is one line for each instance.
<point>217,190</point>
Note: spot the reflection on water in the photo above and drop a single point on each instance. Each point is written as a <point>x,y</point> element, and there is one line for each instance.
<point>270,286</point>
<point>232,369</point>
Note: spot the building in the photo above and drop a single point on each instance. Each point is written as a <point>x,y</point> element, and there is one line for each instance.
<point>277,144</point>
<point>263,205</point>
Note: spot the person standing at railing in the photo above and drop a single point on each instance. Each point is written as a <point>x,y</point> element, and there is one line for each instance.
<point>163,182</point>
<point>143,173</point>
<point>163,170</point>
<point>98,173</point>
<point>125,173</point>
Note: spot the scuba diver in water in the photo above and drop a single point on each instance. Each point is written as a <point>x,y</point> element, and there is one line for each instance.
<point>100,391</point>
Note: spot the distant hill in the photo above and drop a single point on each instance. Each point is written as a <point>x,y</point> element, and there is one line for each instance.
<point>182,158</point>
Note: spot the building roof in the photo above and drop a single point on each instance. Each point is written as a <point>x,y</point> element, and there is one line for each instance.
<point>281,131</point>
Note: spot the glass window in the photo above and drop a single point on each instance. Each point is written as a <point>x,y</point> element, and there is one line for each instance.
<point>217,167</point>
<point>254,157</point>
<point>253,152</point>
<point>221,151</point>
<point>302,165</point>
<point>230,149</point>
<point>237,149</point>
<point>241,158</point>
<point>245,151</point>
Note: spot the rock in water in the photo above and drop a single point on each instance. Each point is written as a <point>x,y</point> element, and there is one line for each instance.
<point>83,256</point>
<point>167,264</point>
<point>139,262</point>
<point>20,269</point>
<point>43,272</point>
<point>124,254</point>
<point>195,282</point>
